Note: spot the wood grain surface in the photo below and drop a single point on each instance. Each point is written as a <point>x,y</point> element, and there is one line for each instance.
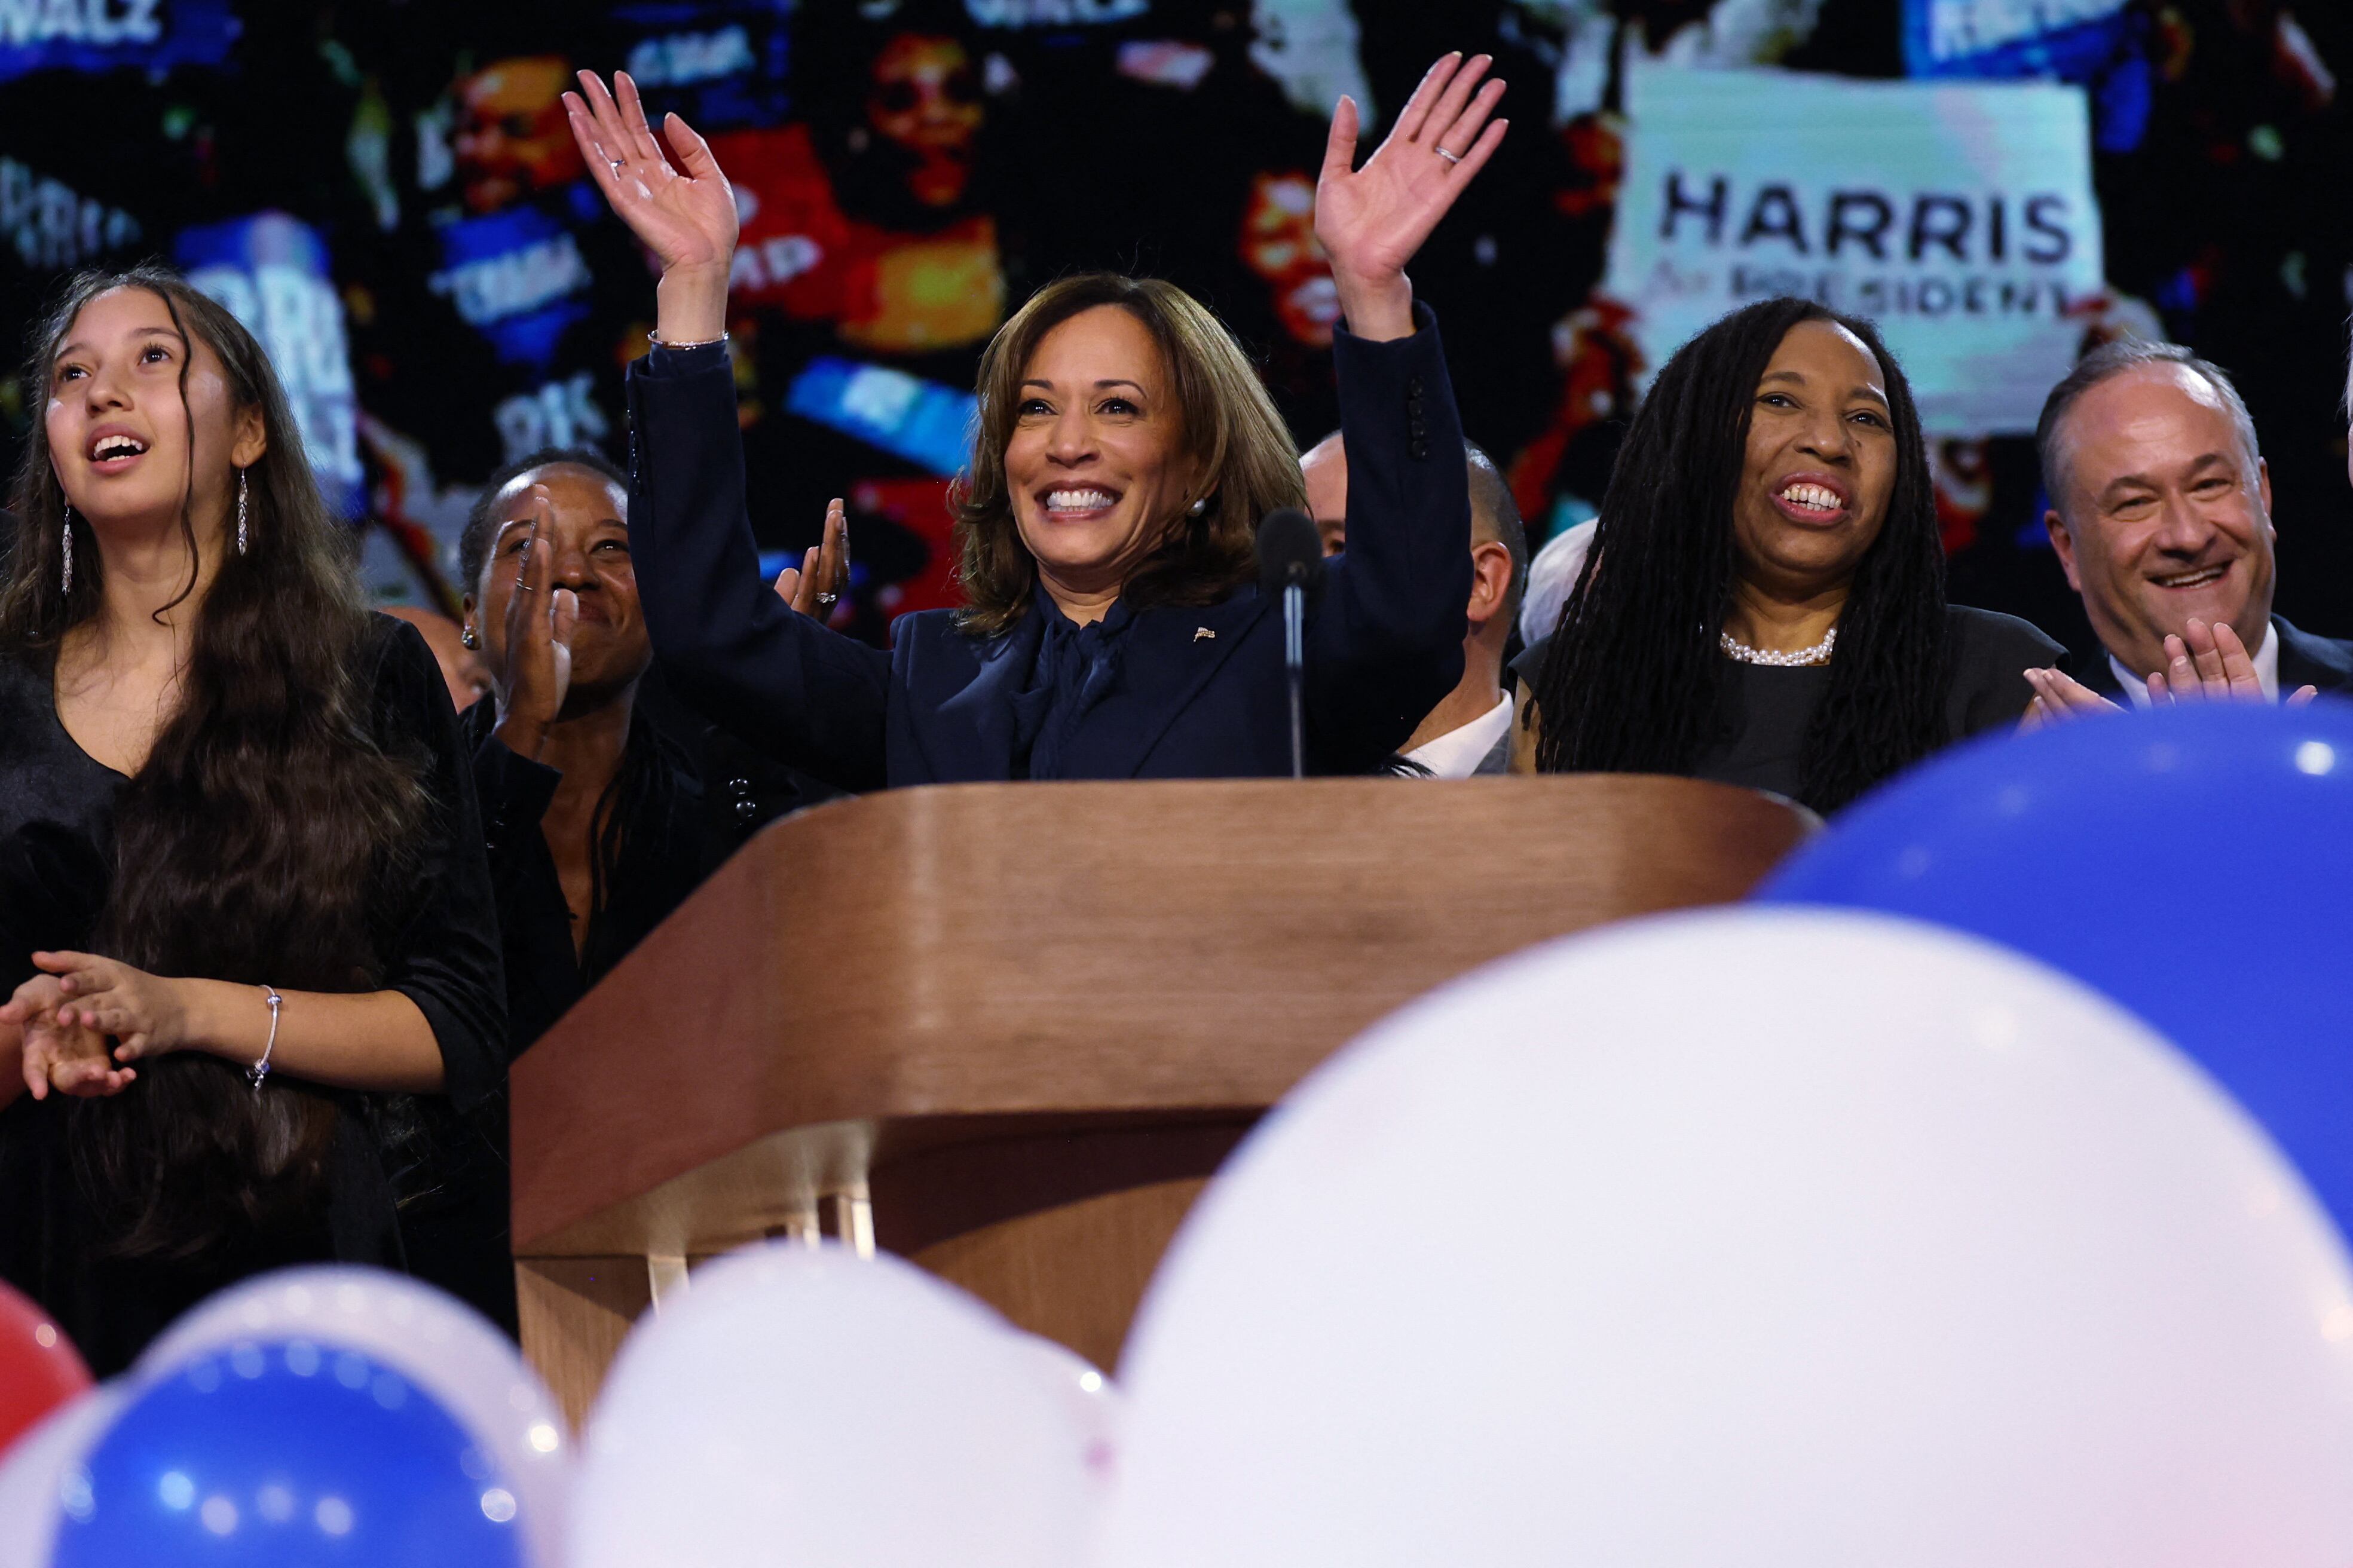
<point>877,980</point>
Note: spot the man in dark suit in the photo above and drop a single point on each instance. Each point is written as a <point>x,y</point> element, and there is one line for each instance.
<point>1469,733</point>
<point>2160,511</point>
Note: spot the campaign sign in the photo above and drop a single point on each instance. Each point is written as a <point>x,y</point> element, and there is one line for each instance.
<point>922,421</point>
<point>2070,39</point>
<point>270,272</point>
<point>719,63</point>
<point>1960,216</point>
<point>109,35</point>
<point>518,276</point>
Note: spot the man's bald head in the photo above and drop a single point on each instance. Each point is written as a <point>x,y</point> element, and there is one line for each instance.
<point>1494,515</point>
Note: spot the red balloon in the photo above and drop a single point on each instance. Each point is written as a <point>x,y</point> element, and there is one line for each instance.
<point>39,1368</point>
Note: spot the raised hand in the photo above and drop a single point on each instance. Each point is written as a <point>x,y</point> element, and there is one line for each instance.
<point>1372,220</point>
<point>685,213</point>
<point>537,672</point>
<point>814,587</point>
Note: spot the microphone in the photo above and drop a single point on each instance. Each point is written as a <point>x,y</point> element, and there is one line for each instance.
<point>1290,562</point>
<point>1290,551</point>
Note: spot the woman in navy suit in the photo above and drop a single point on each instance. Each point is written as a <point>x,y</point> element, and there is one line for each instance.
<point>1126,453</point>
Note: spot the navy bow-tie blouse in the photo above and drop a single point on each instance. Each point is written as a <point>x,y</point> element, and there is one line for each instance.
<point>1166,692</point>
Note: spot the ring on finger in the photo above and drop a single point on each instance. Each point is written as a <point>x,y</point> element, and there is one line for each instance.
<point>1449,157</point>
<point>828,600</point>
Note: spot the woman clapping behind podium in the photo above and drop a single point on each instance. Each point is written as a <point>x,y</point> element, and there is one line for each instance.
<point>244,911</point>
<point>1125,454</point>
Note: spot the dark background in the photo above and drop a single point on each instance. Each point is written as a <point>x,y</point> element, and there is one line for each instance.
<point>914,169</point>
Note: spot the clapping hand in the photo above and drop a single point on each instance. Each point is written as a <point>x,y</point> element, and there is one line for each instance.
<point>814,587</point>
<point>1372,220</point>
<point>65,1042</point>
<point>2211,664</point>
<point>2059,697</point>
<point>685,214</point>
<point>537,672</point>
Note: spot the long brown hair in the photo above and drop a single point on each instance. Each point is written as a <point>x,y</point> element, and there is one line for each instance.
<point>1226,421</point>
<point>254,842</point>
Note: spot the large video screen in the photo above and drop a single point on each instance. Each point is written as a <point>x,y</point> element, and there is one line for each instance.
<point>389,194</point>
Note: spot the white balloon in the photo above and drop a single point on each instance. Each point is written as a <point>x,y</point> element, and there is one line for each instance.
<point>803,1405</point>
<point>444,1346</point>
<point>1090,1398</point>
<point>37,1478</point>
<point>1754,1237</point>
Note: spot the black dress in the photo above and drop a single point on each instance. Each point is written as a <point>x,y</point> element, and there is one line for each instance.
<point>699,796</point>
<point>392,1155</point>
<point>1763,712</point>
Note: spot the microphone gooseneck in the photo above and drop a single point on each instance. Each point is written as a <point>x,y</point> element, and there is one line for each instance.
<point>1291,562</point>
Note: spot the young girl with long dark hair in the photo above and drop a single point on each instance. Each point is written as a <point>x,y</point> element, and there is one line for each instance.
<point>245,924</point>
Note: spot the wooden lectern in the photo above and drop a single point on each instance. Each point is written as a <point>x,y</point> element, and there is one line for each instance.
<point>1009,1030</point>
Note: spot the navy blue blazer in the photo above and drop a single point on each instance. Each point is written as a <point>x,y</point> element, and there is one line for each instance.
<point>1202,692</point>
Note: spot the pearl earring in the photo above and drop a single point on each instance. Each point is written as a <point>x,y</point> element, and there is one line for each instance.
<point>1199,507</point>
<point>69,542</point>
<point>240,511</point>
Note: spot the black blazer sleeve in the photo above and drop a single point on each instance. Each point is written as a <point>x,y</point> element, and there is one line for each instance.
<point>733,652</point>
<point>1386,643</point>
<point>445,958</point>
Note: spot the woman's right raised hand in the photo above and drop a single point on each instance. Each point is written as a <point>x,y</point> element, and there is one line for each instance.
<point>685,214</point>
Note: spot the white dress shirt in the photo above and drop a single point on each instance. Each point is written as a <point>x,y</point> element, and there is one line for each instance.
<point>1457,753</point>
<point>2266,661</point>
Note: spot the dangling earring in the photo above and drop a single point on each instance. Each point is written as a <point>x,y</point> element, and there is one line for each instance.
<point>68,583</point>
<point>240,511</point>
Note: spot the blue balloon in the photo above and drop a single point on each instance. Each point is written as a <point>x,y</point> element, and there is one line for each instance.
<point>286,1455</point>
<point>2195,865</point>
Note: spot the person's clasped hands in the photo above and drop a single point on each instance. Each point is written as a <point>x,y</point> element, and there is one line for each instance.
<point>2209,664</point>
<point>79,1001</point>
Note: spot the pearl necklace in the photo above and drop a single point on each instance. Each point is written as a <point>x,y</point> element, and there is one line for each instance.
<point>1818,654</point>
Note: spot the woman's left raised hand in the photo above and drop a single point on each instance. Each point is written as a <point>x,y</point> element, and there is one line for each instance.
<point>146,1013</point>
<point>1372,220</point>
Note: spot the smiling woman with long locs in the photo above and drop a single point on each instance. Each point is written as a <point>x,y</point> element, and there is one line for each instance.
<point>246,933</point>
<point>1125,454</point>
<point>1764,602</point>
